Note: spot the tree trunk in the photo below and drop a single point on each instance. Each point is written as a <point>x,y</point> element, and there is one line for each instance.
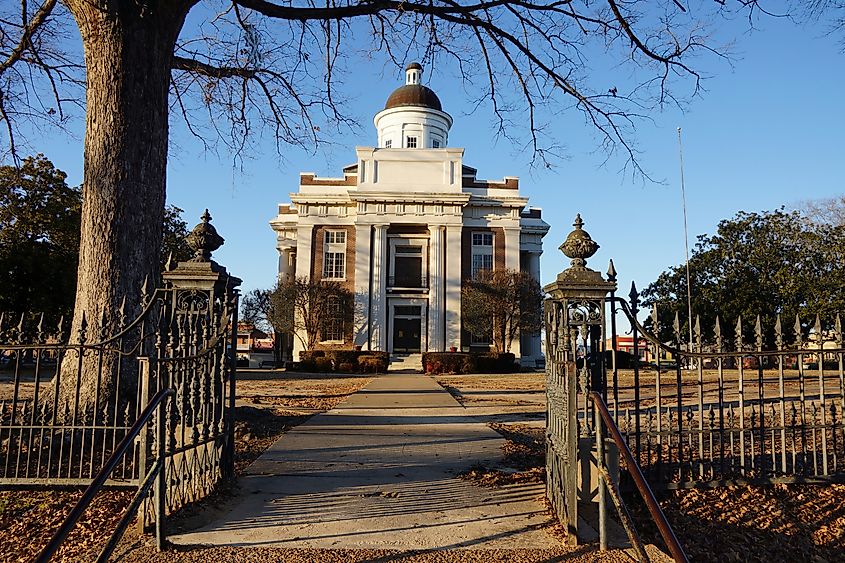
<point>128,52</point>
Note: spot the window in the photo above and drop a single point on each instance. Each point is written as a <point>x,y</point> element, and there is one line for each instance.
<point>435,144</point>
<point>334,255</point>
<point>411,142</point>
<point>332,328</point>
<point>388,143</point>
<point>482,252</point>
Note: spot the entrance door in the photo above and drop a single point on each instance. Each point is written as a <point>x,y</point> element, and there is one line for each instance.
<point>406,335</point>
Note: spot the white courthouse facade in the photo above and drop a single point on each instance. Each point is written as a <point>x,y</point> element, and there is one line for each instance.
<point>402,228</point>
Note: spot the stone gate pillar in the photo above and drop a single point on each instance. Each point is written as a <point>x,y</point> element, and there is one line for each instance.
<point>575,344</point>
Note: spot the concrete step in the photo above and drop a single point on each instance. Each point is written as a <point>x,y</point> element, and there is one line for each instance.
<point>405,362</point>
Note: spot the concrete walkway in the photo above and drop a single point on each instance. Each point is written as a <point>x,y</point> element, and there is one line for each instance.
<point>378,472</point>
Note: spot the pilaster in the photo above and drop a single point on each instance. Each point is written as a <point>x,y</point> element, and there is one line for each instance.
<point>437,294</point>
<point>452,285</point>
<point>378,339</point>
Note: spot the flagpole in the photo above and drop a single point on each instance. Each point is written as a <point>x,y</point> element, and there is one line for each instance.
<point>686,238</point>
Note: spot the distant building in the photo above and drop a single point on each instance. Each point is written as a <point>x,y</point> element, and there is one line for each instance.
<point>645,350</point>
<point>254,346</point>
<point>402,227</point>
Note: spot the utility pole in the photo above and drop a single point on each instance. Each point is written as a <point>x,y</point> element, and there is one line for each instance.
<point>686,240</point>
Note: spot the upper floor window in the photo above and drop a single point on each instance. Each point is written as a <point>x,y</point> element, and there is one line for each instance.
<point>388,143</point>
<point>482,252</point>
<point>334,255</point>
<point>435,144</point>
<point>411,142</point>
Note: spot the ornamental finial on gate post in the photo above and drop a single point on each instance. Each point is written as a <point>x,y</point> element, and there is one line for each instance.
<point>579,245</point>
<point>204,240</point>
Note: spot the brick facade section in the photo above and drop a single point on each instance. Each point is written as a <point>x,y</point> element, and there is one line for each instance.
<point>318,240</point>
<point>466,261</point>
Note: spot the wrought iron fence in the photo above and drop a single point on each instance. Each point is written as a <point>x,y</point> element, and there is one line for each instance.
<point>52,436</point>
<point>733,410</point>
<point>68,399</point>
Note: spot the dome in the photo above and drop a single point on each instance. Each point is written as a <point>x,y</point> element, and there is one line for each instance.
<point>413,95</point>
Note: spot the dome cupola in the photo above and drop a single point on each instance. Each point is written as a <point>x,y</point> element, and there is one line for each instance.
<point>413,116</point>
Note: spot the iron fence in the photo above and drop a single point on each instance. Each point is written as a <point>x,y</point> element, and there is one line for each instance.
<point>67,402</point>
<point>732,410</point>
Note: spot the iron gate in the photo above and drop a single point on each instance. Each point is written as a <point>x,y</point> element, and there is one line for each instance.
<point>183,339</point>
<point>725,409</point>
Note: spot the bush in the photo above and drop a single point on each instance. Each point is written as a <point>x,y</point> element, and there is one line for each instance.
<point>346,367</point>
<point>344,357</point>
<point>323,364</point>
<point>462,362</point>
<point>372,363</point>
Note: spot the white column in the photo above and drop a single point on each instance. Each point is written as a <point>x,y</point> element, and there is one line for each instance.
<point>361,315</point>
<point>534,271</point>
<point>286,265</point>
<point>452,286</point>
<point>436,295</point>
<point>303,269</point>
<point>512,263</point>
<point>512,248</point>
<point>379,293</point>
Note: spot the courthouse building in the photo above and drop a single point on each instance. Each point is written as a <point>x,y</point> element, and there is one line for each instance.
<point>402,227</point>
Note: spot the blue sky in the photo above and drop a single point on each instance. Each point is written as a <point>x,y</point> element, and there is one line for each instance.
<point>768,132</point>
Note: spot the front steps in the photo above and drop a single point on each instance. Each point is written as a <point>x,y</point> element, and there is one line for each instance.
<point>405,362</point>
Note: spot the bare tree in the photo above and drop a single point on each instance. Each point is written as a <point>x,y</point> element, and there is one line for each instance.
<point>501,304</point>
<point>827,211</point>
<point>246,67</point>
<point>304,308</point>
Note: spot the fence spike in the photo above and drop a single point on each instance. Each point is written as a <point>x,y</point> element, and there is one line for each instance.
<point>837,328</point>
<point>634,296</point>
<point>778,333</point>
<point>611,272</point>
<point>676,328</point>
<point>696,329</point>
<point>168,264</point>
<point>818,329</point>
<point>20,327</point>
<point>717,331</point>
<point>60,328</point>
<point>738,335</point>
<point>83,328</point>
<point>103,331</point>
<point>798,335</point>
<point>758,333</point>
<point>39,328</point>
<point>655,321</point>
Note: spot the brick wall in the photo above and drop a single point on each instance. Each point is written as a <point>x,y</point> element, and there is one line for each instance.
<point>318,238</point>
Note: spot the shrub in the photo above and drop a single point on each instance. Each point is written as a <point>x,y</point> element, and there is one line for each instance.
<point>462,362</point>
<point>371,363</point>
<point>340,357</point>
<point>346,367</point>
<point>323,364</point>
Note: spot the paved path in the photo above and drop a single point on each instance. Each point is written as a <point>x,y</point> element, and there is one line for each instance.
<point>378,472</point>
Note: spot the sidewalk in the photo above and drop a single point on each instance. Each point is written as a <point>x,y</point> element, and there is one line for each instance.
<point>378,472</point>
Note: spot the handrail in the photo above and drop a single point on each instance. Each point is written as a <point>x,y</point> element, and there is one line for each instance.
<point>645,491</point>
<point>101,477</point>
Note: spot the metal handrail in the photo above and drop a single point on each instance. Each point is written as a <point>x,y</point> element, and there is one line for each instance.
<point>101,477</point>
<point>634,469</point>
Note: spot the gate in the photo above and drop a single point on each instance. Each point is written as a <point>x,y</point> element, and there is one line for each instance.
<point>738,406</point>
<point>181,340</point>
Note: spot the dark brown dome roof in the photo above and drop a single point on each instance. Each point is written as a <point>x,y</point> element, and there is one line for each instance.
<point>413,95</point>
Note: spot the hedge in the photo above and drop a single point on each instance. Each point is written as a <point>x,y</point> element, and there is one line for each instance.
<point>348,361</point>
<point>468,362</point>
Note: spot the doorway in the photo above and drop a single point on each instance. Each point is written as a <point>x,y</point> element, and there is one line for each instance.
<point>407,329</point>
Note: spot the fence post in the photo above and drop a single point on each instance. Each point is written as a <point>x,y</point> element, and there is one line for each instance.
<point>575,349</point>
<point>203,299</point>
